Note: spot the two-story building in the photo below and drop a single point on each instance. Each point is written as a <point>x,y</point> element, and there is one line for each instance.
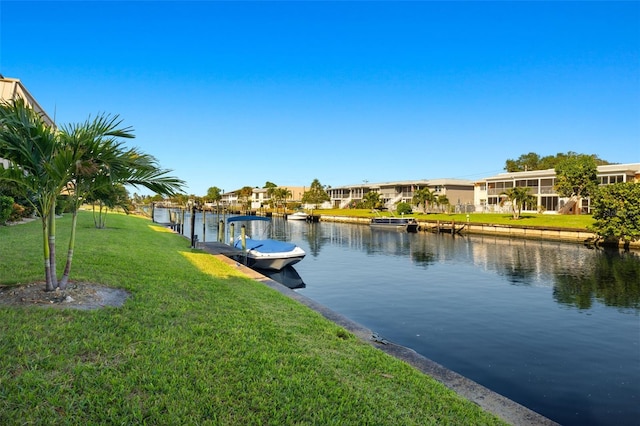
<point>260,197</point>
<point>12,89</point>
<point>488,192</point>
<point>458,192</point>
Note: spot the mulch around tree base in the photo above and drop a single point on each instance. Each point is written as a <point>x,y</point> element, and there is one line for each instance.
<point>76,296</point>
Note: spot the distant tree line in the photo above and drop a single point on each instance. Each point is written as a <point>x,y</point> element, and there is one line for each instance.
<point>533,161</point>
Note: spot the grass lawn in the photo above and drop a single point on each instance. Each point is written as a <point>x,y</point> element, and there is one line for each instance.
<point>526,219</point>
<point>196,343</point>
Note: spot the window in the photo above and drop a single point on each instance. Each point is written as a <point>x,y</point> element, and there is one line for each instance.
<point>549,203</point>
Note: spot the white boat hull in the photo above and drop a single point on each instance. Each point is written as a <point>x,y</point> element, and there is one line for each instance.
<point>297,216</point>
<point>273,261</point>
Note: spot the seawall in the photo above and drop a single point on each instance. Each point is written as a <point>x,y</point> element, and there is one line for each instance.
<point>582,236</point>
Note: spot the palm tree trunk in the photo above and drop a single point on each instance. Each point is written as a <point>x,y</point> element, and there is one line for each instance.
<point>52,245</point>
<point>72,241</point>
<point>47,265</point>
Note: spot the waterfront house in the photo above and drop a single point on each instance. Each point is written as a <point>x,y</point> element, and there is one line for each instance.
<point>259,198</point>
<point>487,192</point>
<point>459,192</point>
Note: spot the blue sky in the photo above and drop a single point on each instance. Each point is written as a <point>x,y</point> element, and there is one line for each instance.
<point>231,94</point>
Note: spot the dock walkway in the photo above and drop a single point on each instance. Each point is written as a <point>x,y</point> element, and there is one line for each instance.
<point>219,248</point>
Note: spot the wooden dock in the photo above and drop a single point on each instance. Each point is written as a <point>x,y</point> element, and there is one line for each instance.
<point>444,227</point>
<point>219,248</point>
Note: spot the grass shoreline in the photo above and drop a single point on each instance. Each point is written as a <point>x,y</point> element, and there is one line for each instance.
<point>197,343</point>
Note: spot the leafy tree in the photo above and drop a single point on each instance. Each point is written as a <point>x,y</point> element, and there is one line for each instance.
<point>576,177</point>
<point>316,194</point>
<point>530,161</point>
<point>270,185</point>
<point>518,196</point>
<point>616,210</point>
<point>371,199</point>
<point>214,195</point>
<point>533,161</point>
<point>423,196</point>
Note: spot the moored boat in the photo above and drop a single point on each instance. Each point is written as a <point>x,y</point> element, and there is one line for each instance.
<point>394,223</point>
<point>299,215</point>
<point>265,253</point>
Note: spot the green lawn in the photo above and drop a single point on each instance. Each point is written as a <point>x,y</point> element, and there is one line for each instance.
<point>527,219</point>
<point>197,343</point>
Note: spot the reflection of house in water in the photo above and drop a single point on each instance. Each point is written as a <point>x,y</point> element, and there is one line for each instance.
<point>612,277</point>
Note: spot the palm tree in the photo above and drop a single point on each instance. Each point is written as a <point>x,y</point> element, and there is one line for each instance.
<point>371,199</point>
<point>39,169</point>
<point>423,196</point>
<point>442,200</point>
<point>245,196</point>
<point>80,160</point>
<point>103,166</point>
<point>284,194</point>
<point>518,197</point>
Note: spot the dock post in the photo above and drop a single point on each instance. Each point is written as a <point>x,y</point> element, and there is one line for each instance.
<point>453,228</point>
<point>221,231</point>
<point>193,227</point>
<point>232,233</point>
<point>243,237</point>
<point>204,225</point>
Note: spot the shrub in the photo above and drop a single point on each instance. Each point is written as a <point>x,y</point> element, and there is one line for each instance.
<point>6,208</point>
<point>17,213</point>
<point>404,208</point>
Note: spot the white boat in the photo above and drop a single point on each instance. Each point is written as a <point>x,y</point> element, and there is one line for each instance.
<point>299,215</point>
<point>265,253</point>
<point>395,223</point>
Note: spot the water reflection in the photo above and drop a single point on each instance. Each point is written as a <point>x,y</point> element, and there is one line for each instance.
<point>613,279</point>
<point>287,276</point>
<point>553,326</point>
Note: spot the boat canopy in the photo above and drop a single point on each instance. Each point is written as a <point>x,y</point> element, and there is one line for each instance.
<point>248,218</point>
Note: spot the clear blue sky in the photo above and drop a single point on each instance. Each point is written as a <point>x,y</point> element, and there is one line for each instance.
<point>231,94</point>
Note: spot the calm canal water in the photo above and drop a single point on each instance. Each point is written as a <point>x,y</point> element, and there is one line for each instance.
<point>553,326</point>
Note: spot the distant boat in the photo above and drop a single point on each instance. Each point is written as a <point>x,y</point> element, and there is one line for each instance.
<point>299,215</point>
<point>394,223</point>
<point>267,253</point>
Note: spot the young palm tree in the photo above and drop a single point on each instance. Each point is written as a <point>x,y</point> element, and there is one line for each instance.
<point>518,197</point>
<point>39,169</point>
<point>371,199</point>
<point>103,166</point>
<point>423,196</point>
<point>79,160</point>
